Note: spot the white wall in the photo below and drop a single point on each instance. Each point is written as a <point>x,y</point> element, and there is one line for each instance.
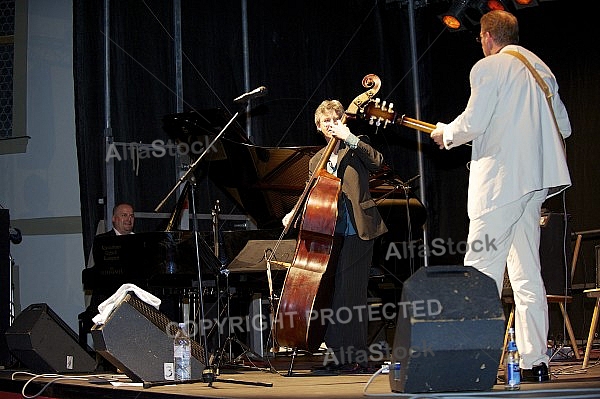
<point>41,186</point>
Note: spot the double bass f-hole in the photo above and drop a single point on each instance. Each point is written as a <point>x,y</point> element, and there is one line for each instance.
<point>304,293</point>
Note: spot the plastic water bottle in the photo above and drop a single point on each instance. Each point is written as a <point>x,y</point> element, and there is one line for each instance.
<point>395,369</point>
<point>182,354</point>
<point>512,370</point>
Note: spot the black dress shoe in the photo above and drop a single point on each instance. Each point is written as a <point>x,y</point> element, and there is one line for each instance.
<point>537,373</point>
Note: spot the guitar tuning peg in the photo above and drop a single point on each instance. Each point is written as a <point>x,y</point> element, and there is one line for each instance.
<point>371,120</point>
<point>377,101</point>
<point>383,106</point>
<point>391,107</point>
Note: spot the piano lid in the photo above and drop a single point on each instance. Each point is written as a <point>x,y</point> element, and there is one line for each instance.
<point>202,127</point>
<point>264,182</point>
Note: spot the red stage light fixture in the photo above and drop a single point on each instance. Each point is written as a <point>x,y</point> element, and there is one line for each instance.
<point>465,14</point>
<point>455,18</point>
<point>495,5</point>
<point>524,3</point>
<point>484,6</point>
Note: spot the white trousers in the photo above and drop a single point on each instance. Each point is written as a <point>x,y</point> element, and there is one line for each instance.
<point>510,237</point>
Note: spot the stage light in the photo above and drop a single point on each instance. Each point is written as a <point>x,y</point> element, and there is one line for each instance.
<point>485,6</point>
<point>524,3</point>
<point>465,14</point>
<point>455,18</point>
<point>495,5</point>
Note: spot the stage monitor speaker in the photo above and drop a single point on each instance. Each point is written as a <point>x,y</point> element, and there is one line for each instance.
<point>138,340</point>
<point>46,344</point>
<point>449,332</point>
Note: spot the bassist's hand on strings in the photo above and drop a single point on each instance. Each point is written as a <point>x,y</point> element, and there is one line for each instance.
<point>286,220</point>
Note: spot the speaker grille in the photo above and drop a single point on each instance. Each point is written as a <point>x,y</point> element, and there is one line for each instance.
<point>450,337</point>
<point>163,322</point>
<point>138,340</point>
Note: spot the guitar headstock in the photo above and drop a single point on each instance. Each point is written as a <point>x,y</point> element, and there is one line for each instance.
<point>379,112</point>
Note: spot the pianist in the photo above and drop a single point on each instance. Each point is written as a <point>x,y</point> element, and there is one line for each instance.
<point>123,219</point>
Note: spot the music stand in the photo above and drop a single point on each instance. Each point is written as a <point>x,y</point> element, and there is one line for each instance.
<point>253,258</point>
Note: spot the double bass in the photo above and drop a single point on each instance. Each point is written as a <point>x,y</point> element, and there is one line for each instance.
<point>297,323</point>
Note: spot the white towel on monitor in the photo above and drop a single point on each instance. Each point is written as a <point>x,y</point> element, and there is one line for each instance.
<point>107,306</point>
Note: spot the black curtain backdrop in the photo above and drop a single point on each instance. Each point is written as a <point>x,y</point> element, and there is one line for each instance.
<point>305,52</point>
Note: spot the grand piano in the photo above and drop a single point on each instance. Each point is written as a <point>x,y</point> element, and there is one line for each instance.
<point>264,183</point>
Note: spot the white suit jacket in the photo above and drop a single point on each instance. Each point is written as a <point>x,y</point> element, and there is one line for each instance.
<point>516,148</point>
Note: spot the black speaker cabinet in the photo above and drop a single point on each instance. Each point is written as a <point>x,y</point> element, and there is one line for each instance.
<point>138,340</point>
<point>46,344</point>
<point>449,332</point>
<point>554,241</point>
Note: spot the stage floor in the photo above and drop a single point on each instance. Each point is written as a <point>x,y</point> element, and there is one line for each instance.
<point>247,381</point>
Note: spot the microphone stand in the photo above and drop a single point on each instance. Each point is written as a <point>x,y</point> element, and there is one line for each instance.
<point>209,374</point>
<point>215,227</point>
<point>193,166</point>
<point>398,184</point>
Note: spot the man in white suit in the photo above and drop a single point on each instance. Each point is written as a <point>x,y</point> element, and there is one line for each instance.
<point>517,161</point>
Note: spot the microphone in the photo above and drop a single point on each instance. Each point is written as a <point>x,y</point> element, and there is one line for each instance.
<point>258,92</point>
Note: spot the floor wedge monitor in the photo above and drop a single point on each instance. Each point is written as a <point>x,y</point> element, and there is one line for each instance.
<point>449,332</point>
<point>46,344</point>
<point>138,340</point>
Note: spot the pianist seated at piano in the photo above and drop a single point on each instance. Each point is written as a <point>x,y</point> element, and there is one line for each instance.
<point>123,220</point>
<point>161,262</point>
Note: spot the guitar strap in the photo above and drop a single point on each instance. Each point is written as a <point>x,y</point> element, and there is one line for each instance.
<point>544,87</point>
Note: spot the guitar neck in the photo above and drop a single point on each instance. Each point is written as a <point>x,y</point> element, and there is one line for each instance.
<point>377,112</point>
<point>416,124</point>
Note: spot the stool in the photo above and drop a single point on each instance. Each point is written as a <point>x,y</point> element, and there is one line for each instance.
<point>560,299</point>
<point>593,293</point>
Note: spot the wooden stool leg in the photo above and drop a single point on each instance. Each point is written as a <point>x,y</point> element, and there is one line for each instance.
<point>509,324</point>
<point>590,340</point>
<point>570,330</point>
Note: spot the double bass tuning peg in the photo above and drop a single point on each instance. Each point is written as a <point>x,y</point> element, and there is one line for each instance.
<point>383,105</point>
<point>387,109</point>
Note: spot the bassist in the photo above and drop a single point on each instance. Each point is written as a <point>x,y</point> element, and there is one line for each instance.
<point>358,224</point>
